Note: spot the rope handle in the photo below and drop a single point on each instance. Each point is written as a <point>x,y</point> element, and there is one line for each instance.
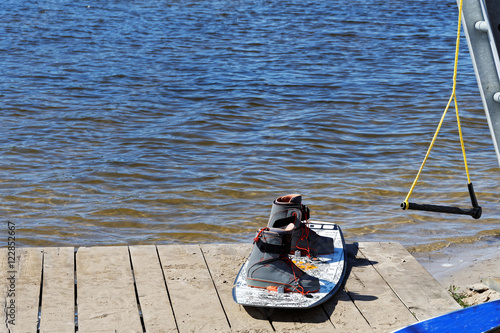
<point>475,212</point>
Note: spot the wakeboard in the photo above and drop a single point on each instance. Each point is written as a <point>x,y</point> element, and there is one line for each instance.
<point>482,318</point>
<point>329,269</point>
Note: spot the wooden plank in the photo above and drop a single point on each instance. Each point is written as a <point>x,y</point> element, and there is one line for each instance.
<point>58,292</point>
<point>426,298</point>
<point>194,299</point>
<point>224,262</point>
<point>344,315</point>
<point>301,320</point>
<point>29,277</point>
<point>4,290</point>
<point>152,292</point>
<point>375,299</point>
<point>20,289</point>
<point>105,290</point>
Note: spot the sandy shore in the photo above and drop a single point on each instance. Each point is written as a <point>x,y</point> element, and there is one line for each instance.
<point>471,271</point>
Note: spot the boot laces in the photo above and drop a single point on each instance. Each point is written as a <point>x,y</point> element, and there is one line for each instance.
<point>259,234</point>
<point>295,269</point>
<point>304,236</point>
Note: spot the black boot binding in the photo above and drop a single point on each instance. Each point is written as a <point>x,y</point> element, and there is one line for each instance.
<point>270,267</point>
<point>288,210</point>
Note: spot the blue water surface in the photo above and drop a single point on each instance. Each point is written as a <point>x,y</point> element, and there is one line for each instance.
<point>150,122</point>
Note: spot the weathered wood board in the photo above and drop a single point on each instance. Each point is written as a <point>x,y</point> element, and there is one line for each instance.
<point>58,293</point>
<point>194,299</point>
<point>105,290</point>
<point>151,290</point>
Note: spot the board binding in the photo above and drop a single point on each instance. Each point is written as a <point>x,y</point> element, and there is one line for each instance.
<point>329,269</point>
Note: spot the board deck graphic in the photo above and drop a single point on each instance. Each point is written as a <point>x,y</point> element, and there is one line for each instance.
<point>329,269</point>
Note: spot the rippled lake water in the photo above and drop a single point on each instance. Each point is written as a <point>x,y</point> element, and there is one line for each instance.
<point>152,122</point>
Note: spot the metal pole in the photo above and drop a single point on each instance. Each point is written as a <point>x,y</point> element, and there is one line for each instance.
<point>481,24</point>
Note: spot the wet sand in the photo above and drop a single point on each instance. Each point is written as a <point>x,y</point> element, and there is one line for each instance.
<point>464,268</point>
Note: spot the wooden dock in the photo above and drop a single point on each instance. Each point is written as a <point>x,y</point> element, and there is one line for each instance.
<point>187,288</point>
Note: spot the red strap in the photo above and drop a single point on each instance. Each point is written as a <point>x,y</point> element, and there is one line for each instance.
<point>259,233</point>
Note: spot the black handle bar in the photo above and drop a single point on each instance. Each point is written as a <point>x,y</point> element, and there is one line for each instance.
<point>475,211</point>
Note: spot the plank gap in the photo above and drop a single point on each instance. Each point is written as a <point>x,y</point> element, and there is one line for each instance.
<point>136,293</point>
<point>348,275</point>
<point>271,323</point>
<point>40,296</point>
<point>327,315</point>
<point>359,310</point>
<point>366,284</point>
<point>166,287</point>
<point>215,287</point>
<point>106,297</point>
<point>267,312</point>
<point>389,285</point>
<point>76,289</point>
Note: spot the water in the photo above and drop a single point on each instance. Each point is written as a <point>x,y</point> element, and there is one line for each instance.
<point>155,122</point>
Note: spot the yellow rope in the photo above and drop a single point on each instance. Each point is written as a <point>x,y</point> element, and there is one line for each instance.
<point>452,97</point>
